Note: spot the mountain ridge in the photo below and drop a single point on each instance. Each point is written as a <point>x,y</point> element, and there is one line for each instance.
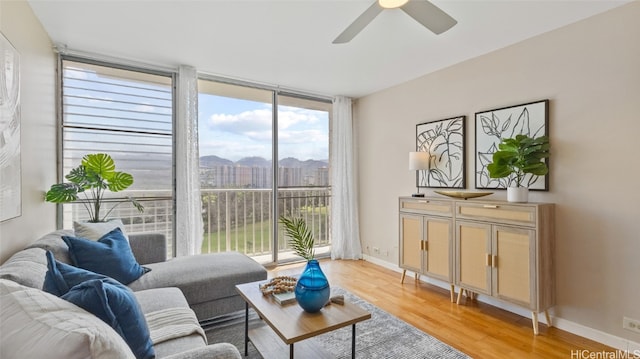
<point>256,161</point>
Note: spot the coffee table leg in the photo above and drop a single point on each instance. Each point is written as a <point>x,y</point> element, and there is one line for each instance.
<point>291,351</point>
<point>246,329</point>
<point>353,341</point>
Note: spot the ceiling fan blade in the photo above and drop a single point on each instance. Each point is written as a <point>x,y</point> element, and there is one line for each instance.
<point>429,15</point>
<point>356,26</point>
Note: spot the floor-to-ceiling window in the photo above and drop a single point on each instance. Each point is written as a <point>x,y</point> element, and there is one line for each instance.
<point>127,113</point>
<point>243,191</point>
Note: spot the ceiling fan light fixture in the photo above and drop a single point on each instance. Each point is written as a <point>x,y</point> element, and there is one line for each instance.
<point>392,4</point>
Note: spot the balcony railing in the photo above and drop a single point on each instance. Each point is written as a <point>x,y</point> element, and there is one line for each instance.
<point>241,219</point>
<point>234,219</point>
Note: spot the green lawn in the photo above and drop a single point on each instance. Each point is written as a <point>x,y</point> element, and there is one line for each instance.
<point>245,236</point>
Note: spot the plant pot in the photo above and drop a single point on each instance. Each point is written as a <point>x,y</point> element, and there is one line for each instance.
<point>312,289</point>
<point>518,194</point>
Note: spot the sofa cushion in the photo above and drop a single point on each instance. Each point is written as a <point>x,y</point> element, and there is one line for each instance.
<point>35,324</point>
<point>153,300</point>
<point>116,305</point>
<point>26,267</point>
<point>204,277</point>
<point>53,242</point>
<point>95,230</point>
<point>111,255</point>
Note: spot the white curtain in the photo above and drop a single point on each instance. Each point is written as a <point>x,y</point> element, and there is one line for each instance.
<point>345,232</point>
<point>189,228</point>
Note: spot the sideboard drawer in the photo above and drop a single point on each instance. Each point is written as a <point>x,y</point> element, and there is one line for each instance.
<point>426,206</point>
<point>497,212</point>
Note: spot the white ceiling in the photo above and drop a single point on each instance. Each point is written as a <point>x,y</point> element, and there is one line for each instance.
<point>288,43</point>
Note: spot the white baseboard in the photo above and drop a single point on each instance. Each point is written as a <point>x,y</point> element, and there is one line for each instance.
<point>578,329</point>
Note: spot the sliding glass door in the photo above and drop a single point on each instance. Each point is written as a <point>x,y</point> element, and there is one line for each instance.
<point>303,180</point>
<point>239,136</point>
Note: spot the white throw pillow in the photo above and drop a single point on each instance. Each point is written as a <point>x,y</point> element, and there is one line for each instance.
<point>35,324</point>
<point>95,231</point>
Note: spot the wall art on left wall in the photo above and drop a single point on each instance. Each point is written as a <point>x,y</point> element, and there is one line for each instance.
<point>444,141</point>
<point>10,164</point>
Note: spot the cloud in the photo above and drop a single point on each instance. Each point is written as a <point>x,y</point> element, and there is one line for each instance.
<point>247,121</point>
<point>305,136</point>
<point>302,133</point>
<point>291,117</point>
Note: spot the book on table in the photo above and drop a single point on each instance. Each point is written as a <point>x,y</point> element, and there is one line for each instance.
<point>284,298</point>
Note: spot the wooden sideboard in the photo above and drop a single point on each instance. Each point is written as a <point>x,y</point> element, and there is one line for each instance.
<point>500,249</point>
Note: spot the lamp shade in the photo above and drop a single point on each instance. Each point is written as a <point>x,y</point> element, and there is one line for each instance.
<point>418,160</point>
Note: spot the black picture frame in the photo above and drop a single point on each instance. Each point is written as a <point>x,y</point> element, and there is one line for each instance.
<point>444,140</point>
<point>492,126</point>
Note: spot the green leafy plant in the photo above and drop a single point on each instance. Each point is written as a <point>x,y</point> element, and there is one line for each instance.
<point>96,174</point>
<point>519,156</point>
<point>300,236</point>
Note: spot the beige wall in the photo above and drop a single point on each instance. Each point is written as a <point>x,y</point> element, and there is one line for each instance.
<point>590,71</point>
<point>38,63</point>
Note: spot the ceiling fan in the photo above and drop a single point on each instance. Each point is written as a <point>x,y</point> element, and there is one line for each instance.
<point>423,11</point>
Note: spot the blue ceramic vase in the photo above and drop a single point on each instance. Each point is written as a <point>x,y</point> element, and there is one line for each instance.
<point>312,290</point>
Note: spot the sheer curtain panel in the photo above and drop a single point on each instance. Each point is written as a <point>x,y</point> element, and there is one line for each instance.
<point>189,229</point>
<point>345,233</point>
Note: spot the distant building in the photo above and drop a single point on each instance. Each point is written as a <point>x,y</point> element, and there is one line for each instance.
<point>238,176</point>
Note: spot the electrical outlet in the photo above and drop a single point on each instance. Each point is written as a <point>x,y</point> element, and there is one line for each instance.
<point>376,250</point>
<point>631,324</point>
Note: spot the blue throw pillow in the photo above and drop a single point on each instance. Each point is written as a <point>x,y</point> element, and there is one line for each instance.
<point>111,255</point>
<point>116,305</point>
<point>105,298</point>
<point>61,277</point>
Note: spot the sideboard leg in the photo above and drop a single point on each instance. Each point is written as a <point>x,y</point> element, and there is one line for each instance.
<point>404,272</point>
<point>548,318</point>
<point>534,317</point>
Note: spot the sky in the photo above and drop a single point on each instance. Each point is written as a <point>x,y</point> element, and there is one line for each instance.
<point>235,128</point>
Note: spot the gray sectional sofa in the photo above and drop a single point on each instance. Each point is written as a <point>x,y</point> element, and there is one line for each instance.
<point>203,283</point>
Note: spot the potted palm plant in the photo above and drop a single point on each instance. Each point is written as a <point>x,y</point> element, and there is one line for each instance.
<point>519,156</point>
<point>312,288</point>
<point>95,175</point>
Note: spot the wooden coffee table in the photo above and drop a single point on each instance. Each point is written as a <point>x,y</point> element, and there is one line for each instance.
<point>289,324</point>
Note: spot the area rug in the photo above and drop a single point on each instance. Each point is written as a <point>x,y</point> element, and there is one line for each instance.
<point>382,336</point>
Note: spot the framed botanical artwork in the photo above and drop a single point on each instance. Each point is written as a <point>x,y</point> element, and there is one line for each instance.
<point>492,126</point>
<point>444,141</point>
<point>10,170</point>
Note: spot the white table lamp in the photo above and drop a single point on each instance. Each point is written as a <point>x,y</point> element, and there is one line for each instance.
<point>418,161</point>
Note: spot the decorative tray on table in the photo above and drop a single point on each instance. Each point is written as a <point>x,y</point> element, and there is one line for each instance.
<point>281,289</point>
<point>463,194</point>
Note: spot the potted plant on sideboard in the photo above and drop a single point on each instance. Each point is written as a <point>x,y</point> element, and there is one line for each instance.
<point>95,175</point>
<point>519,156</point>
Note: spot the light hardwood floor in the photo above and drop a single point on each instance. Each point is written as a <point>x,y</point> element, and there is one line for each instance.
<point>477,329</point>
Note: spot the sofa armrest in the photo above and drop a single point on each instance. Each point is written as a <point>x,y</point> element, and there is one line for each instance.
<point>212,351</point>
<point>148,247</point>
